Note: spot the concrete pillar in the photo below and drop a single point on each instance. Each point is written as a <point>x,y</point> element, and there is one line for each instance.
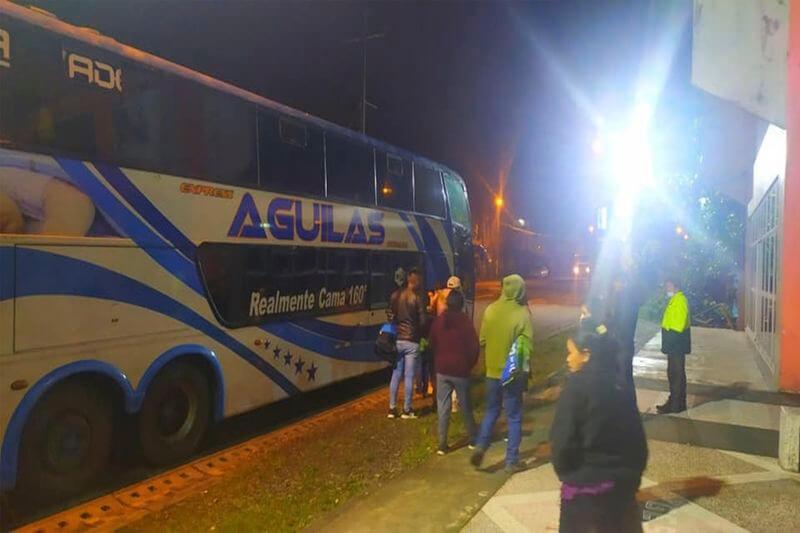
<point>789,378</point>
<point>789,444</point>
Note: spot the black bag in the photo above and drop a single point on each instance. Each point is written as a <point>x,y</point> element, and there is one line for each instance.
<point>386,343</point>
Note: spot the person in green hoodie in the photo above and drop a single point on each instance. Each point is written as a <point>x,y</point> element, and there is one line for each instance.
<point>505,321</point>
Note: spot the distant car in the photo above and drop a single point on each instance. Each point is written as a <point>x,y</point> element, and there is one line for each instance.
<point>582,270</point>
<point>541,272</point>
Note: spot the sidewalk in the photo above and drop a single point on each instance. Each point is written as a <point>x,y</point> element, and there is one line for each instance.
<point>710,469</point>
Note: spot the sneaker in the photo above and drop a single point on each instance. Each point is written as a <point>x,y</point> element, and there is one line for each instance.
<point>514,468</point>
<point>442,450</point>
<point>477,458</point>
<point>392,413</point>
<point>408,414</point>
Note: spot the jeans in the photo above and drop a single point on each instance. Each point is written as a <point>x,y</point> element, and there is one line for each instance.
<point>445,385</point>
<point>510,399</point>
<point>676,373</point>
<point>407,355</point>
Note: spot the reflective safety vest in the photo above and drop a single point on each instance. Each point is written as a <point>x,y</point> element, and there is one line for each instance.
<point>676,315</point>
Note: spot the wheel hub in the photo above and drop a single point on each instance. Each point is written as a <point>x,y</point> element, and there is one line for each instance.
<point>176,414</point>
<point>67,442</point>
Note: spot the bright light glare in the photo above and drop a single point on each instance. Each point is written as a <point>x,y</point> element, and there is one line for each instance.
<point>630,166</point>
<point>498,201</point>
<point>598,146</point>
<point>521,221</point>
<point>679,230</point>
<point>591,229</point>
<point>576,270</point>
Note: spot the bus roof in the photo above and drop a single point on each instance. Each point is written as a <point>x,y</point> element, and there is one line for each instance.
<point>44,19</point>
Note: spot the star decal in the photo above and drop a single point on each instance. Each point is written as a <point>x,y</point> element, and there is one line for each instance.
<point>267,344</point>
<point>276,353</point>
<point>312,372</point>
<point>287,359</point>
<point>298,366</point>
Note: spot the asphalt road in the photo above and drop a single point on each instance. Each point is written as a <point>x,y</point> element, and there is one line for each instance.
<point>553,303</point>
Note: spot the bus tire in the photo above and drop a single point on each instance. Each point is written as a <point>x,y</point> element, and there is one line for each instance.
<point>67,441</point>
<point>175,413</point>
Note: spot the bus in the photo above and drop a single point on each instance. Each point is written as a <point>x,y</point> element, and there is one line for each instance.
<point>175,250</point>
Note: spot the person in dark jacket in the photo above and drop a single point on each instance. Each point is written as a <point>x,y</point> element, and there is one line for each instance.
<point>455,351</point>
<point>408,310</point>
<point>624,315</point>
<point>676,343</point>
<point>599,450</point>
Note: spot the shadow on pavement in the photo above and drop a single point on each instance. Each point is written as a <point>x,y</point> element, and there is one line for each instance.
<point>665,497</point>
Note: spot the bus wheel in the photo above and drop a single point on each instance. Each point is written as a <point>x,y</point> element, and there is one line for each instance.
<point>66,443</point>
<point>175,413</point>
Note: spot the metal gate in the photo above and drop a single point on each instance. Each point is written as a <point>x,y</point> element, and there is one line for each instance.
<point>762,276</point>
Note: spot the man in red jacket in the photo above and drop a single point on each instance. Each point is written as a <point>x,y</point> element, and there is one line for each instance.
<point>455,351</point>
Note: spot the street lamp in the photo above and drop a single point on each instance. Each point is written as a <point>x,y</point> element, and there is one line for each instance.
<point>498,202</point>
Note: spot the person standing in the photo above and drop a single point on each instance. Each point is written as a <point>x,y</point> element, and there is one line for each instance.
<point>455,351</point>
<point>598,444</point>
<point>676,344</point>
<point>407,309</point>
<point>439,306</point>
<point>625,303</point>
<point>505,321</point>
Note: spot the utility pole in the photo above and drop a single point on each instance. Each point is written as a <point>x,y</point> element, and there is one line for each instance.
<point>363,41</point>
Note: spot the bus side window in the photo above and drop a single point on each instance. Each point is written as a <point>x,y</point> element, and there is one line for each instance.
<point>428,194</point>
<point>290,156</point>
<point>395,188</point>
<point>457,199</point>
<point>229,139</point>
<point>350,170</point>
<point>387,270</point>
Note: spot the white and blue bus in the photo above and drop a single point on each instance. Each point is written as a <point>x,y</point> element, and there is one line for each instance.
<point>175,250</point>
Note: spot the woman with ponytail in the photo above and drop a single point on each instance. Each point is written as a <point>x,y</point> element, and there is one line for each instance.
<point>599,450</point>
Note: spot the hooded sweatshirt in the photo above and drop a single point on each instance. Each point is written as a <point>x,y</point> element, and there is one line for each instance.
<point>504,320</point>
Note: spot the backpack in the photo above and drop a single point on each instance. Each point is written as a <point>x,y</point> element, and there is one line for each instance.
<point>517,365</point>
<point>386,343</point>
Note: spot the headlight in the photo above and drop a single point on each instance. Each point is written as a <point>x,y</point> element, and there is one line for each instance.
<point>576,270</point>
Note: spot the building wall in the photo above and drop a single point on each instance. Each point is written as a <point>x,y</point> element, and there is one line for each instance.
<point>790,261</point>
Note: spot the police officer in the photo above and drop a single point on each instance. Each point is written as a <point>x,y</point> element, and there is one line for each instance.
<point>676,343</point>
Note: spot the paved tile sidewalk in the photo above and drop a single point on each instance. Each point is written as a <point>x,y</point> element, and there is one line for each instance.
<point>686,487</point>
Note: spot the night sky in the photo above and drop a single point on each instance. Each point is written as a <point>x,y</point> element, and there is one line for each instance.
<point>488,88</point>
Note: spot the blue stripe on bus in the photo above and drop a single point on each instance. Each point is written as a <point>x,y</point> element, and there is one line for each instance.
<point>6,272</point>
<point>186,270</point>
<point>441,270</point>
<point>163,253</point>
<point>145,207</point>
<point>430,272</point>
<point>80,278</point>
